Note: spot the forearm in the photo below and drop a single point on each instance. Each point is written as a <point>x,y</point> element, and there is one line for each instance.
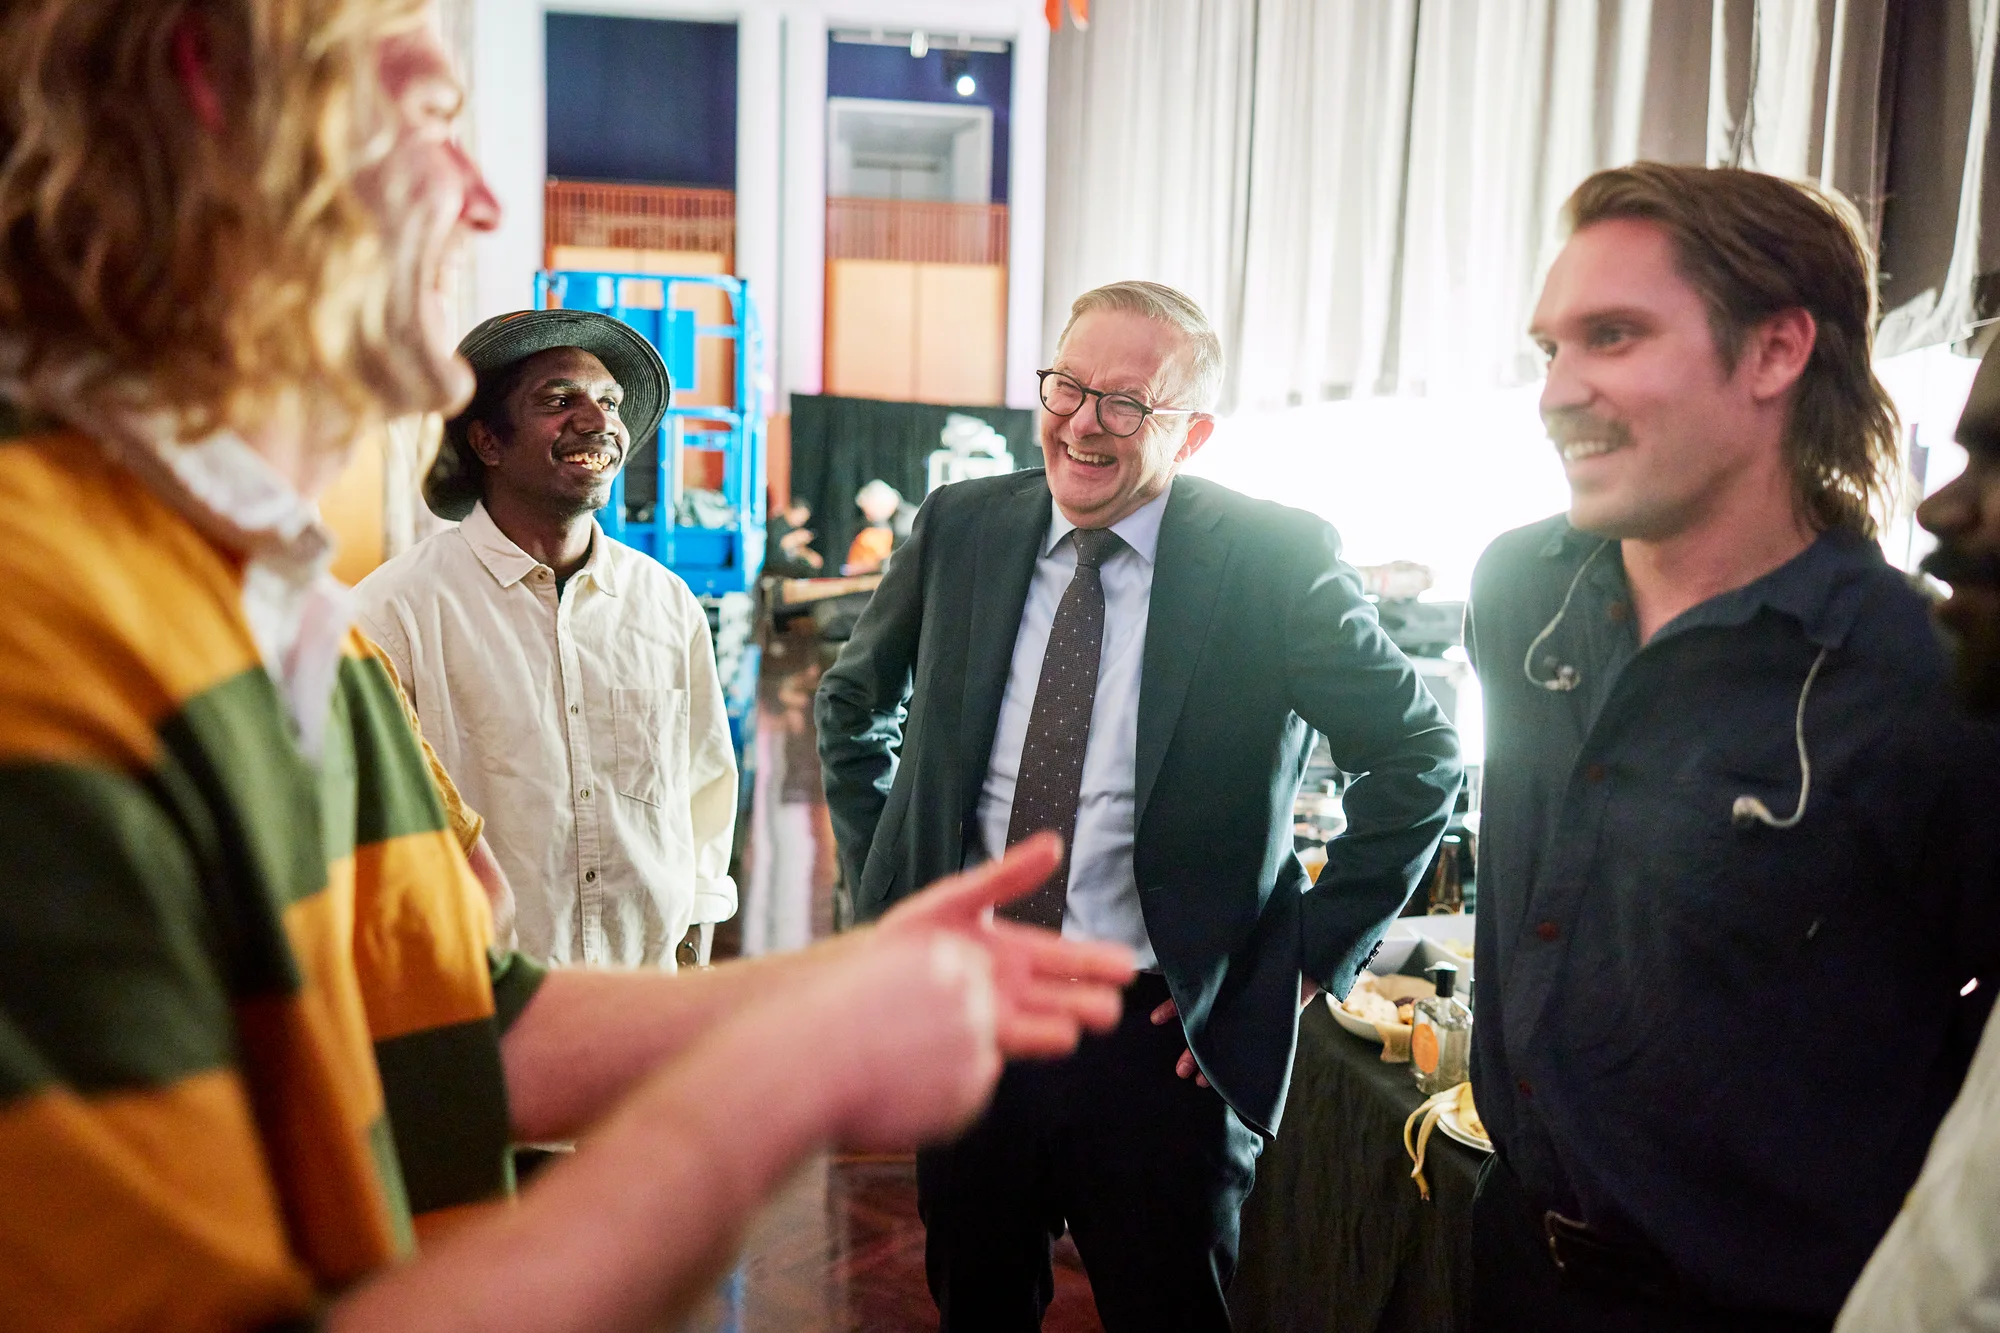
<point>588,1037</point>
<point>632,1231</point>
<point>858,747</point>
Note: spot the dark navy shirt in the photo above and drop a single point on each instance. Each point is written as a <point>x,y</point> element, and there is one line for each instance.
<point>1729,1044</point>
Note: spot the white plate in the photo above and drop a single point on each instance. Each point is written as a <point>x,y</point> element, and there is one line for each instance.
<point>1448,1122</point>
<point>1360,1027</point>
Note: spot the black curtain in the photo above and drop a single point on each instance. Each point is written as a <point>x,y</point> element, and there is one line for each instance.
<point>840,445</point>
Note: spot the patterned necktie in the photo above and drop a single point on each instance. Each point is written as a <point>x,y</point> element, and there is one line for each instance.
<point>1051,776</point>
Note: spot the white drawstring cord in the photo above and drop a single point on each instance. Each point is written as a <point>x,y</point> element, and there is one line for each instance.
<point>1566,677</point>
<point>1748,810</point>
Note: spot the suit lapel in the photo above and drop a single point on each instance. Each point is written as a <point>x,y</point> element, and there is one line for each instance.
<point>1187,575</point>
<point>1008,541</point>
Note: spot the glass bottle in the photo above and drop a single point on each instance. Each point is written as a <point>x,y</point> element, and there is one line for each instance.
<point>1441,1034</point>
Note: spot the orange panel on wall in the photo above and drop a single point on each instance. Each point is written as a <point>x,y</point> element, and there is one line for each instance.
<point>871,312</point>
<point>916,332</point>
<point>961,333</point>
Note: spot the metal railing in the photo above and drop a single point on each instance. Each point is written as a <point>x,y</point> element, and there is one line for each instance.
<point>641,217</point>
<point>916,231</point>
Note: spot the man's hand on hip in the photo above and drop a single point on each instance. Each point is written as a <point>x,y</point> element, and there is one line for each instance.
<point>1185,1066</point>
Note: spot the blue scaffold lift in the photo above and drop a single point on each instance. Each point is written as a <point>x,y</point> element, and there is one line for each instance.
<point>720,564</point>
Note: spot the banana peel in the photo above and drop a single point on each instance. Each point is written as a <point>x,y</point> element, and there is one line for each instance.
<point>1417,1129</point>
<point>1417,1138</point>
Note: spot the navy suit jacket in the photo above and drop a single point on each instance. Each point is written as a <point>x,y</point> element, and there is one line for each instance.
<point>1258,635</point>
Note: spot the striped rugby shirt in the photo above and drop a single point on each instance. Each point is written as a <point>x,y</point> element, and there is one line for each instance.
<point>249,1013</point>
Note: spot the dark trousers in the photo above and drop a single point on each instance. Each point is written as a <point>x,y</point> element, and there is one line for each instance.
<point>1517,1288</point>
<point>1147,1170</point>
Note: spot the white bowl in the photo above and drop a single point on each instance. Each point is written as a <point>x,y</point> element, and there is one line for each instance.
<point>1445,939</point>
<point>1397,945</point>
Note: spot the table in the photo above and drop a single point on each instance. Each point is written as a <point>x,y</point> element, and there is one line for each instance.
<point>1335,1236</point>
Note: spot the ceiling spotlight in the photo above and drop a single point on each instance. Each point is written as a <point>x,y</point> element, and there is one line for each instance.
<point>966,85</point>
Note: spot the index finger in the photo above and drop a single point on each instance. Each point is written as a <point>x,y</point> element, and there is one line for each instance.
<point>1025,868</point>
<point>1076,959</point>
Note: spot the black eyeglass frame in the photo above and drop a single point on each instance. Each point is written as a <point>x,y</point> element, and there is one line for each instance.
<point>1145,411</point>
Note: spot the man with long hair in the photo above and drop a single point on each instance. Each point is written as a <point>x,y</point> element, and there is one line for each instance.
<point>253,1042</point>
<point>1731,886</point>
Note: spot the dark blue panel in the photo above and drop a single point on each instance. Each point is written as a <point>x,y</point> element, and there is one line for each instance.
<point>642,100</point>
<point>893,74</point>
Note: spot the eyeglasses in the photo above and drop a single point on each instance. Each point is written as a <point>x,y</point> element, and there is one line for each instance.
<point>1119,413</point>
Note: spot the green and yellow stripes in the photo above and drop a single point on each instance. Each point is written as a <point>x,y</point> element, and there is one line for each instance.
<point>143,1209</point>
<point>127,1134</point>
<point>248,1018</point>
<point>391,775</point>
<point>452,1134</point>
<point>119,612</point>
<point>106,979</point>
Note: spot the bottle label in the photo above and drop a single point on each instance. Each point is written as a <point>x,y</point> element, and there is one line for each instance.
<point>1424,1048</point>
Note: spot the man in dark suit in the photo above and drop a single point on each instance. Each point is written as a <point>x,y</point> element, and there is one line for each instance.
<point>1139,663</point>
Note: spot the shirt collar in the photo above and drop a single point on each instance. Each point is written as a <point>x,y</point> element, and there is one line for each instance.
<point>1139,529</point>
<point>509,564</point>
<point>227,490</point>
<point>1821,587</point>
<point>297,613</point>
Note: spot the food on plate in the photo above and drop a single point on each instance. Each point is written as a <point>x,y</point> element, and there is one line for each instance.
<point>1468,1115</point>
<point>1463,948</point>
<point>1368,1003</point>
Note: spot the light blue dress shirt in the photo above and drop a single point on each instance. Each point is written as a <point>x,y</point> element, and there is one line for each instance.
<point>1103,891</point>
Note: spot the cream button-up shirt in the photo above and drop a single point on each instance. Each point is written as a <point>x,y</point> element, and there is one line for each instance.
<point>585,724</point>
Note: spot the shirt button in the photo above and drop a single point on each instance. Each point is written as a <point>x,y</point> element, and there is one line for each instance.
<point>542,574</point>
<point>1593,773</point>
<point>574,710</point>
<point>1549,932</point>
<point>590,877</point>
<point>583,795</point>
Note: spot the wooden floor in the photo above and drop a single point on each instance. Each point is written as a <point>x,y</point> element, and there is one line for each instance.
<point>841,1249</point>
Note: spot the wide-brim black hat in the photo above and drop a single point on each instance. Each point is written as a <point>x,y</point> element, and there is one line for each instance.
<point>454,482</point>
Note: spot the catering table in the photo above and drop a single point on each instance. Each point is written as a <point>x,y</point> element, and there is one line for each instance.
<point>1336,1238</point>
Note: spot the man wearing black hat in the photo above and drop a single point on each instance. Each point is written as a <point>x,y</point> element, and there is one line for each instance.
<point>566,681</point>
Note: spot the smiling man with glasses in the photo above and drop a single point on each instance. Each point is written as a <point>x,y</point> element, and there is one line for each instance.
<point>1138,661</point>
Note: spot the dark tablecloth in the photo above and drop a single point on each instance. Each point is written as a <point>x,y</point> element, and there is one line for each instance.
<point>1336,1238</point>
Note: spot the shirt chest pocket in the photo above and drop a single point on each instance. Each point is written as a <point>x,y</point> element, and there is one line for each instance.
<point>650,738</point>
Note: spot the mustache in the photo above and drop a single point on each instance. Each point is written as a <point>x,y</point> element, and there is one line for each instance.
<point>1955,564</point>
<point>1566,425</point>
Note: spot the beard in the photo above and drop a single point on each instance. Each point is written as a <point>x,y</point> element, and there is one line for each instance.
<point>1975,635</point>
<point>1977,665</point>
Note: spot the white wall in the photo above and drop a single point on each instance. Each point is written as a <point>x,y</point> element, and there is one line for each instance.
<point>510,138</point>
<point>780,153</point>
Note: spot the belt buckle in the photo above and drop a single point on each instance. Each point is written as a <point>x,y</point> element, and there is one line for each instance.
<point>1555,1230</point>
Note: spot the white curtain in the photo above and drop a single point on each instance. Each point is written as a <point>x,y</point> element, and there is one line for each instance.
<point>1149,128</point>
<point>1364,194</point>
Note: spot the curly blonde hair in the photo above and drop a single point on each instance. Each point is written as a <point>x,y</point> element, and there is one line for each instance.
<point>153,262</point>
